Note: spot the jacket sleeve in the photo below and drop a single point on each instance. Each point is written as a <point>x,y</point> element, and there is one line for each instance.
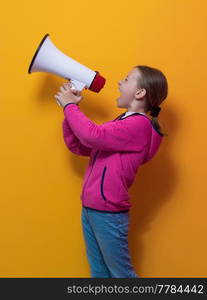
<point>127,135</point>
<point>72,142</point>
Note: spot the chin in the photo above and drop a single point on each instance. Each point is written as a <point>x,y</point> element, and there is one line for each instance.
<point>119,103</point>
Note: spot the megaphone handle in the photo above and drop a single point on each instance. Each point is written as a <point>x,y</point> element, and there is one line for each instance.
<point>76,85</point>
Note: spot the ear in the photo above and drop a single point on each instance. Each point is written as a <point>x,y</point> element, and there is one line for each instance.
<point>140,93</point>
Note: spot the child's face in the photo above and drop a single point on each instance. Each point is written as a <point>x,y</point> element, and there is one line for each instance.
<point>128,88</point>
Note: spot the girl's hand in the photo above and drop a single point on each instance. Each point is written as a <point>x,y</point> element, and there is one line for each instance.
<point>68,95</point>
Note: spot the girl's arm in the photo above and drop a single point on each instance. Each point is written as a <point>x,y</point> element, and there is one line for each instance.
<point>130,134</point>
<point>72,142</point>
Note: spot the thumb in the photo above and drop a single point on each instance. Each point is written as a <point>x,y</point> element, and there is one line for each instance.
<point>77,92</point>
<point>79,97</point>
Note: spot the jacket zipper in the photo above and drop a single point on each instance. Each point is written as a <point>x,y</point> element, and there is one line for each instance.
<point>89,174</point>
<point>102,180</point>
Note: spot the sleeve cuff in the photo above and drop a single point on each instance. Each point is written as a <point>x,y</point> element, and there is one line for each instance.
<point>68,104</point>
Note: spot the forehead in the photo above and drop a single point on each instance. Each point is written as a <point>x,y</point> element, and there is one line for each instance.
<point>133,74</point>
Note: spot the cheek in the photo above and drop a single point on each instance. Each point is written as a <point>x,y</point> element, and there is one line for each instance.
<point>128,93</point>
<point>126,90</point>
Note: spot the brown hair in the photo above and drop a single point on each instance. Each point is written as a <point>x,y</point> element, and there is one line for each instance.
<point>156,86</point>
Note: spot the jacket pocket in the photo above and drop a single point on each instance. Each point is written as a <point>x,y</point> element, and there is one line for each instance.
<point>102,183</point>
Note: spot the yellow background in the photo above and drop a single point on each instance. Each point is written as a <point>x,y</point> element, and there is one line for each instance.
<point>41,179</point>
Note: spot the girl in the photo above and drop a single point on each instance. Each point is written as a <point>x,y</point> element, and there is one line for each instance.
<point>116,148</point>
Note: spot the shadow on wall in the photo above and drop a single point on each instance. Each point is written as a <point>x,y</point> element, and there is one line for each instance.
<point>152,187</point>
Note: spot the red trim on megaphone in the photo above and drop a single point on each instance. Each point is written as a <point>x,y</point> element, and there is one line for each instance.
<point>97,83</point>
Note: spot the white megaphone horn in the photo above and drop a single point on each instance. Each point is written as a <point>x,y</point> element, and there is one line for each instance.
<point>48,58</point>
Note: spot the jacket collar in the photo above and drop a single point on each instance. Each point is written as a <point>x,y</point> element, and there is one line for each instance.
<point>120,116</point>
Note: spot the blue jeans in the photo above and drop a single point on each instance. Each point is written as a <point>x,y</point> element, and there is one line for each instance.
<point>106,238</point>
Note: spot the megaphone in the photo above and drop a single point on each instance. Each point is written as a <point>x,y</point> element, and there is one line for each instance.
<point>48,58</point>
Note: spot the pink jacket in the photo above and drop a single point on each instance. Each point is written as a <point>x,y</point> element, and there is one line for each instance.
<point>116,148</point>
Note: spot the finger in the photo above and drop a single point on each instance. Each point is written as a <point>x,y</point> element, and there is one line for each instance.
<point>67,88</point>
<point>67,84</point>
<point>75,91</point>
<point>63,89</point>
